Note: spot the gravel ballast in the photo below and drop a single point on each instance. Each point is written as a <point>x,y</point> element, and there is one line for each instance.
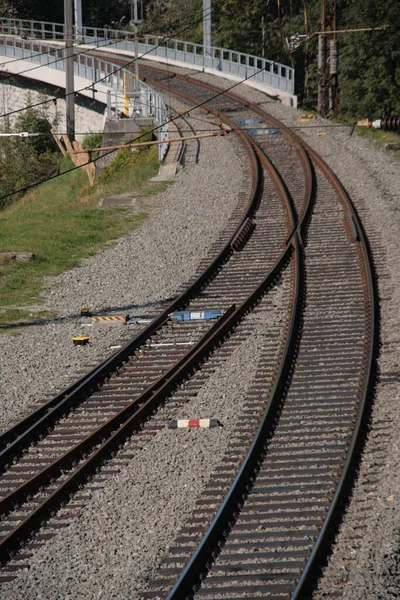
<point>372,179</point>
<point>365,561</point>
<point>134,276</point>
<point>114,547</point>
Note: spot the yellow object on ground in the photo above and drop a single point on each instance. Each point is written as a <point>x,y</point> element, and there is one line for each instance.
<point>81,340</point>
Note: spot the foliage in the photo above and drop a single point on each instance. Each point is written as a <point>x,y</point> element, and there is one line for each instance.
<point>61,223</point>
<point>24,161</point>
<point>369,62</point>
<point>126,159</point>
<point>93,140</point>
<point>175,18</point>
<point>370,71</point>
<point>33,120</point>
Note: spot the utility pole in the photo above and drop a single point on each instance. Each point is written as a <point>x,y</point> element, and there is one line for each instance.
<point>328,82</point>
<point>321,63</point>
<point>69,69</point>
<point>78,19</point>
<point>207,27</point>
<point>135,21</point>
<point>333,83</point>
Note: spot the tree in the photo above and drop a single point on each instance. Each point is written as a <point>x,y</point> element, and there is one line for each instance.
<point>36,121</point>
<point>370,62</point>
<point>26,160</point>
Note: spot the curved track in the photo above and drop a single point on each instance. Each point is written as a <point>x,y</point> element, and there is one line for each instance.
<point>267,538</point>
<point>45,457</point>
<point>259,529</point>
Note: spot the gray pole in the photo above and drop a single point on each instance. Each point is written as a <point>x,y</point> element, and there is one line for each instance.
<point>78,19</point>
<point>69,69</point>
<point>207,27</point>
<point>136,22</point>
<point>322,62</point>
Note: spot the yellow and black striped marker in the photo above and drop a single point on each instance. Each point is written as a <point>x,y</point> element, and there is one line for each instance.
<point>109,319</point>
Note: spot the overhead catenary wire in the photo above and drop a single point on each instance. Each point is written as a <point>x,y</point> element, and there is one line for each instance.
<point>132,35</point>
<point>91,86</point>
<point>170,120</point>
<point>106,43</point>
<point>256,126</point>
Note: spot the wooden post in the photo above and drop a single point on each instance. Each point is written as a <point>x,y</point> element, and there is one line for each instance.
<point>80,158</point>
<point>59,144</point>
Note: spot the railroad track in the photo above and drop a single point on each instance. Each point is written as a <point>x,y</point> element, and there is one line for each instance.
<point>47,456</point>
<point>268,534</point>
<point>260,528</point>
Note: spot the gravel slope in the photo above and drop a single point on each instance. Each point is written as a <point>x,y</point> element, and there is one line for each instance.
<point>133,276</point>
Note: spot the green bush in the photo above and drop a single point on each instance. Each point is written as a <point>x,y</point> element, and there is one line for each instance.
<point>24,161</point>
<point>93,140</point>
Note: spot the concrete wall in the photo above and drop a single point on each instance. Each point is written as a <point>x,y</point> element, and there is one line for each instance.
<point>21,92</point>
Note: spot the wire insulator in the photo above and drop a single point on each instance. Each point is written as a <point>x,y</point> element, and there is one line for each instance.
<point>391,124</point>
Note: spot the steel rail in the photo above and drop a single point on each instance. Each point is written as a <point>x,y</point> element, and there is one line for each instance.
<point>210,541</point>
<point>25,431</point>
<point>292,246</point>
<point>304,158</point>
<point>184,587</point>
<point>316,555</point>
<point>274,174</point>
<point>32,485</point>
<point>290,212</point>
<point>85,385</point>
<point>137,408</point>
<point>149,399</point>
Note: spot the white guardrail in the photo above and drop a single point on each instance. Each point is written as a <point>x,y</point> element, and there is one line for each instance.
<point>88,71</point>
<point>267,73</point>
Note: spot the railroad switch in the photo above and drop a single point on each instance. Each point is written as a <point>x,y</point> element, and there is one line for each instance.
<point>81,340</point>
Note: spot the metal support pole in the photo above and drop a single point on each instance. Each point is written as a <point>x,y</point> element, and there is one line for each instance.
<point>207,27</point>
<point>135,21</point>
<point>334,66</point>
<point>321,74</point>
<point>78,19</point>
<point>69,69</point>
<point>322,62</point>
<point>333,79</point>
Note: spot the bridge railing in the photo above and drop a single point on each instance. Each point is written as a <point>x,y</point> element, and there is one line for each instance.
<point>146,102</point>
<point>229,62</point>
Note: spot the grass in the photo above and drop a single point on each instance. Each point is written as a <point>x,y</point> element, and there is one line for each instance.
<point>15,315</point>
<point>380,138</point>
<point>60,222</point>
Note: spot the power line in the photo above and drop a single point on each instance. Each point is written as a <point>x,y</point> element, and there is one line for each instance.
<point>171,120</point>
<point>106,43</point>
<point>256,126</point>
<point>41,103</point>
